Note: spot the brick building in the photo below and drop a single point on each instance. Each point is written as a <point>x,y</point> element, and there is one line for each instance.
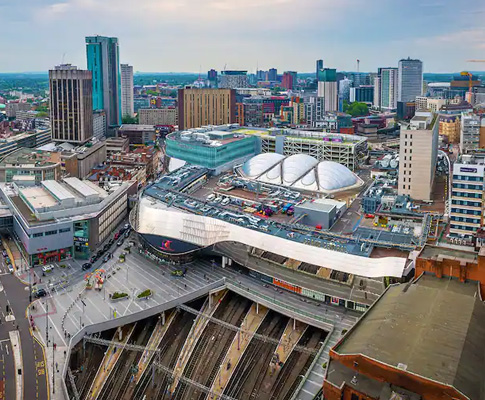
<point>421,340</point>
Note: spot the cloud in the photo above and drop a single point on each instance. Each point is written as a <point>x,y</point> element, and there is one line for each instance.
<point>471,38</point>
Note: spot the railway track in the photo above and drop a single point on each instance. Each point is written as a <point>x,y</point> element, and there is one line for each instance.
<point>256,356</point>
<point>211,349</point>
<point>119,379</point>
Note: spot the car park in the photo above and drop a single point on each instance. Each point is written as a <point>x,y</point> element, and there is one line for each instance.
<point>47,268</point>
<point>86,266</point>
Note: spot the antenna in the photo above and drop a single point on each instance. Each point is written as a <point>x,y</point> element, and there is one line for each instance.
<point>358,65</point>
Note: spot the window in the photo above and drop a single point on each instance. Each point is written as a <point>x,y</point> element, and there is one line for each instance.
<point>354,397</point>
<point>48,233</point>
<point>64,230</point>
<point>404,186</point>
<point>40,234</point>
<point>409,187</point>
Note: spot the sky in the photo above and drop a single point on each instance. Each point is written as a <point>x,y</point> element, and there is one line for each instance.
<point>197,35</point>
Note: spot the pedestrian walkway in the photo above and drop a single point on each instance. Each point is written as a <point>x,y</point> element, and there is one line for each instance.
<point>291,336</point>
<point>110,358</point>
<point>250,324</point>
<point>153,343</point>
<point>207,311</point>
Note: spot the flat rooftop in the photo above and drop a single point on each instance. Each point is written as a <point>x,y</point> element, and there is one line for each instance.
<point>38,197</point>
<point>431,252</point>
<point>433,328</point>
<point>135,127</point>
<point>29,157</point>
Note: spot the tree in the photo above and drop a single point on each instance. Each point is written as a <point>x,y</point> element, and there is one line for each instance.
<point>356,109</point>
<point>128,119</point>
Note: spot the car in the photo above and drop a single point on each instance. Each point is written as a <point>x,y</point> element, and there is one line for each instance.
<point>47,268</point>
<point>111,241</point>
<point>225,201</point>
<point>107,257</point>
<point>7,260</point>
<point>117,235</point>
<point>99,253</point>
<point>127,234</point>
<point>93,259</point>
<point>86,266</point>
<point>211,197</point>
<point>106,247</point>
<point>120,242</point>
<point>127,226</point>
<point>40,293</point>
<point>10,268</point>
<point>4,253</point>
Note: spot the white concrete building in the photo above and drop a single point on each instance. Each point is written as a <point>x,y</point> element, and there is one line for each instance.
<point>328,90</point>
<point>127,107</point>
<point>418,152</point>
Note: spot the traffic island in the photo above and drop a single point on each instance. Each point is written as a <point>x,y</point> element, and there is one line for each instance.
<point>118,296</point>
<point>145,295</point>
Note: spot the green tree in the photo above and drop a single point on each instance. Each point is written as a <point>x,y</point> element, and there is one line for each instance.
<point>356,109</point>
<point>128,119</point>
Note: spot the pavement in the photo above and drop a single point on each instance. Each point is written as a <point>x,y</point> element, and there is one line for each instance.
<point>68,309</point>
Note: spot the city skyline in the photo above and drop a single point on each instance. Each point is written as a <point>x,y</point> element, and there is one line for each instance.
<point>196,43</point>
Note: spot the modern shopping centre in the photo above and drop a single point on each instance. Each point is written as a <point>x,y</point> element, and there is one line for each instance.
<point>59,220</point>
<point>280,233</point>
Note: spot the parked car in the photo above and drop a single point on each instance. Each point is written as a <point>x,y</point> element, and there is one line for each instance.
<point>117,235</point>
<point>106,247</point>
<point>120,242</point>
<point>47,268</point>
<point>4,253</point>
<point>111,241</point>
<point>107,257</point>
<point>225,201</point>
<point>93,259</point>
<point>10,268</point>
<point>86,266</point>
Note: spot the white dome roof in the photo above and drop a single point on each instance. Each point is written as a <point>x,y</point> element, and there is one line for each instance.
<point>296,166</point>
<point>255,166</point>
<point>300,171</point>
<point>332,175</point>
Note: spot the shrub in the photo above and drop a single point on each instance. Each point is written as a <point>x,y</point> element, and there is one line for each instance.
<point>145,293</point>
<point>119,295</point>
<point>344,331</point>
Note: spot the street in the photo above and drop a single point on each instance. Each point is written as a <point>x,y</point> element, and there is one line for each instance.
<point>15,295</point>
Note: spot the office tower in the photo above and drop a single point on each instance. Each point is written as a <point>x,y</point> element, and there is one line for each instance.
<point>470,132</point>
<point>377,92</point>
<point>388,86</point>
<point>327,88</point>
<point>103,61</point>
<point>363,94</point>
<point>233,79</point>
<point>199,107</point>
<point>418,151</point>
<point>212,78</point>
<point>410,79</point>
<point>344,89</point>
<point>71,104</point>
<point>127,107</point>
<point>272,75</point>
<point>319,67</point>
<point>289,80</point>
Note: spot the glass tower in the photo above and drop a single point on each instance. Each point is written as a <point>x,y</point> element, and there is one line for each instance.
<point>104,63</point>
<point>410,79</point>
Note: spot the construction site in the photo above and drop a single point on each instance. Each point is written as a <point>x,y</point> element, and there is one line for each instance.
<point>221,345</point>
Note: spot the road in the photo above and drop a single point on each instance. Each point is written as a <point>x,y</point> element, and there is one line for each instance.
<point>15,294</point>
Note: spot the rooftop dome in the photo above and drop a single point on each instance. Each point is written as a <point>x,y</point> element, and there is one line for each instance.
<point>332,176</point>
<point>261,163</point>
<point>300,171</point>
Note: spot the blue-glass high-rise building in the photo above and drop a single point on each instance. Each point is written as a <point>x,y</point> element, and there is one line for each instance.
<point>410,79</point>
<point>104,63</point>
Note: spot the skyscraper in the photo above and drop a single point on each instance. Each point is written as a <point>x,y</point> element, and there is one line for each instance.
<point>127,107</point>
<point>289,80</point>
<point>319,67</point>
<point>103,61</point>
<point>71,109</point>
<point>410,79</point>
<point>388,86</point>
<point>233,79</point>
<point>272,75</point>
<point>327,88</point>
